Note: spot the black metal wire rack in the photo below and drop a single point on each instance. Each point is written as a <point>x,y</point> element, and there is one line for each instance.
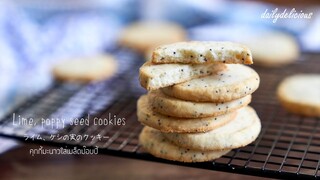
<point>287,147</point>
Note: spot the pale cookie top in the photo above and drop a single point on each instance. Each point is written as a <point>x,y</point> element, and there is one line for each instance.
<point>86,69</point>
<point>273,48</point>
<point>301,88</point>
<point>145,35</point>
<point>202,52</point>
<point>235,82</point>
<point>155,76</point>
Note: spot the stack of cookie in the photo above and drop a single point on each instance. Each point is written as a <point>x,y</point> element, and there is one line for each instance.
<point>196,109</point>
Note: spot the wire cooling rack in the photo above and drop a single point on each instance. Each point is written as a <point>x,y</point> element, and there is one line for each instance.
<point>287,147</point>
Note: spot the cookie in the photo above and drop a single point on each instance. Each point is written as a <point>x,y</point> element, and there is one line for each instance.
<point>155,76</point>
<point>142,36</point>
<point>171,106</point>
<point>196,52</point>
<point>86,69</point>
<point>156,144</point>
<point>232,83</point>
<point>180,125</point>
<point>300,94</point>
<point>273,48</point>
<point>237,133</point>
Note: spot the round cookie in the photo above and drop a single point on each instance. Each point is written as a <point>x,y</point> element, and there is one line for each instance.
<point>180,125</point>
<point>142,36</point>
<point>156,144</point>
<point>171,106</point>
<point>273,48</point>
<point>86,69</point>
<point>300,94</point>
<point>237,133</point>
<point>234,82</point>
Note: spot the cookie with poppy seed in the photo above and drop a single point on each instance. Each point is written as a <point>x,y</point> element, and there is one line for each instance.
<point>156,144</point>
<point>237,133</point>
<point>164,123</point>
<point>171,106</point>
<point>235,82</point>
<point>155,76</point>
<point>196,52</point>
